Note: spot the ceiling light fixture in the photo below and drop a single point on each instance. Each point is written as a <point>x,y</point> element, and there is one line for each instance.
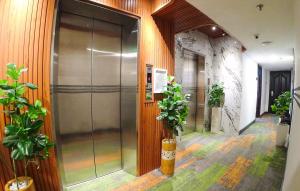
<point>260,7</point>
<point>224,34</point>
<point>214,28</point>
<point>266,43</point>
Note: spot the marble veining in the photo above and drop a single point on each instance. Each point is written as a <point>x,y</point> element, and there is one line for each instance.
<point>223,64</point>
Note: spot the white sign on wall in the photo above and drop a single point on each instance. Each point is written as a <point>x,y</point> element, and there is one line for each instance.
<point>160,79</point>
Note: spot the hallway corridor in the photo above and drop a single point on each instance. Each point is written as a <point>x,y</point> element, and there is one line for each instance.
<point>247,162</point>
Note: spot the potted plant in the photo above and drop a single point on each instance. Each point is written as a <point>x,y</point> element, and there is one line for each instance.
<point>281,108</point>
<point>22,134</point>
<point>174,110</point>
<point>215,101</point>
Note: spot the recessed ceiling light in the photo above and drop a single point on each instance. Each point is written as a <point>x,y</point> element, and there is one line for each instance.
<point>214,28</point>
<point>266,43</point>
<point>260,7</point>
<point>224,34</point>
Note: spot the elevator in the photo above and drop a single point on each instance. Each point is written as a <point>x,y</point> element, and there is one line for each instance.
<point>190,73</point>
<point>94,91</point>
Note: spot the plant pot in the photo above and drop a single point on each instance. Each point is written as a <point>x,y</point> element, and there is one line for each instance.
<point>168,156</point>
<point>281,134</point>
<point>216,119</point>
<point>29,187</point>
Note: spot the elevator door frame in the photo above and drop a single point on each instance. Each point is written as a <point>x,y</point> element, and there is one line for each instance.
<point>54,51</point>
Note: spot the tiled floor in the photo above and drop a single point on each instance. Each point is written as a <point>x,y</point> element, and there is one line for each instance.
<point>249,162</point>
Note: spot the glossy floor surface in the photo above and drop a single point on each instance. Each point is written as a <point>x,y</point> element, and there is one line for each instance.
<point>247,162</point>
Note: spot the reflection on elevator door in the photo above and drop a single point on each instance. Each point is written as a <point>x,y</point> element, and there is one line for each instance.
<point>190,73</point>
<point>88,97</point>
<point>94,95</point>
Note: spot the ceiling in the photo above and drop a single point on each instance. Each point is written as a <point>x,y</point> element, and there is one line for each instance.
<point>242,19</point>
<point>185,17</point>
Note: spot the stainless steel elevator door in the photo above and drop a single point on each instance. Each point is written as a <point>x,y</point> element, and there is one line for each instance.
<point>73,98</point>
<point>191,73</point>
<point>87,94</point>
<point>189,84</point>
<point>106,81</point>
<point>200,93</point>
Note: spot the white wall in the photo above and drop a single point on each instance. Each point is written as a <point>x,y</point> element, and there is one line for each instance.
<point>264,104</point>
<point>249,94</point>
<point>292,172</point>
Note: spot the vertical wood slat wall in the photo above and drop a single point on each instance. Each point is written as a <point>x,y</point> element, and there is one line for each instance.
<point>25,39</point>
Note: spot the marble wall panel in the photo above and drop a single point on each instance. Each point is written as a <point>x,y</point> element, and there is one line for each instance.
<point>223,64</point>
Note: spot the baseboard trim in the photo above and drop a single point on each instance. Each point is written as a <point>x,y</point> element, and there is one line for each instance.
<point>245,128</point>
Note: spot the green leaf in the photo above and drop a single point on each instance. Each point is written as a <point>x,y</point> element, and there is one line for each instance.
<point>16,154</point>
<point>4,101</point>
<point>38,104</point>
<point>22,100</point>
<point>13,72</point>
<point>170,118</point>
<point>10,130</point>
<point>20,90</point>
<point>170,78</point>
<point>3,82</point>
<point>43,111</point>
<point>41,141</point>
<point>21,147</point>
<point>36,125</point>
<point>28,148</point>
<point>6,87</point>
<point>10,141</point>
<point>31,86</point>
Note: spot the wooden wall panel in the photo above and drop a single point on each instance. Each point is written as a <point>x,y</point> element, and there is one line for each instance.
<point>186,17</point>
<point>25,39</point>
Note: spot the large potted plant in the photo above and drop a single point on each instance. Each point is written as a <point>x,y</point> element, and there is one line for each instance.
<point>22,134</point>
<point>174,110</point>
<point>281,108</point>
<point>215,101</point>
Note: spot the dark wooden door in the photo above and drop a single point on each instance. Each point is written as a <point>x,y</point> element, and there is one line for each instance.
<point>259,79</point>
<point>280,81</point>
